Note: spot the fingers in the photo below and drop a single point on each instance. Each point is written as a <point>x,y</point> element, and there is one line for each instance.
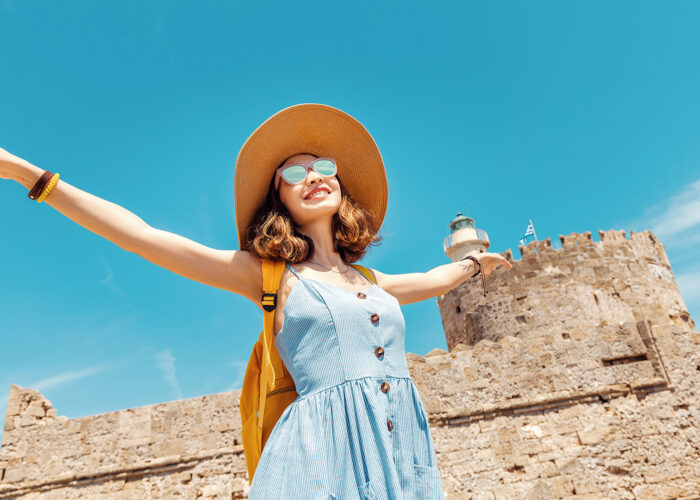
<point>503,262</point>
<point>500,261</point>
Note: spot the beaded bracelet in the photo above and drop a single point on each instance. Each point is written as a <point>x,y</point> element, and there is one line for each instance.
<point>49,188</point>
<point>43,186</point>
<point>483,282</point>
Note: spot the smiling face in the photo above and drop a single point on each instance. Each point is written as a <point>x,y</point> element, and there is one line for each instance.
<point>305,205</point>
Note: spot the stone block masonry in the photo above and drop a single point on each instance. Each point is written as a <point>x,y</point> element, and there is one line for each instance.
<point>576,378</point>
<point>182,449</point>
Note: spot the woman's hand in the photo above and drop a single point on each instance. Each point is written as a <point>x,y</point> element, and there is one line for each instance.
<point>9,165</point>
<point>413,287</point>
<point>490,261</point>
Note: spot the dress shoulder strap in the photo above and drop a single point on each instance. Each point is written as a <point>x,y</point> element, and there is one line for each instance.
<point>293,270</point>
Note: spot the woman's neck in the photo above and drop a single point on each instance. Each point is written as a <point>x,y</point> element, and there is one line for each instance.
<point>324,244</point>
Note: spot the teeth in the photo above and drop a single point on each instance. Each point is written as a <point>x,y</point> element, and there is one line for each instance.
<point>317,194</point>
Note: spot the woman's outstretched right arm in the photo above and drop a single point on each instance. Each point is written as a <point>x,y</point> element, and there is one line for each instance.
<point>232,270</point>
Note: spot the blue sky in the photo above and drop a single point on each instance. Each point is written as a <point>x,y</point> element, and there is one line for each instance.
<point>579,116</point>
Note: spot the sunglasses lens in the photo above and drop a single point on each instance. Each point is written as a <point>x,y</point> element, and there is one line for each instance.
<point>324,167</point>
<point>294,173</point>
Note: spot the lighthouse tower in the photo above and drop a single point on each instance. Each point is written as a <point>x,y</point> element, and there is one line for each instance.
<point>464,239</point>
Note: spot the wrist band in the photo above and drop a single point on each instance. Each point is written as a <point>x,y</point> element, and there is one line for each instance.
<point>43,186</point>
<point>476,261</point>
<point>40,184</point>
<point>49,187</point>
<point>478,264</point>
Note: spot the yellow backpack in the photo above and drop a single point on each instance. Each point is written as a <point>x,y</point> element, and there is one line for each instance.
<point>268,388</point>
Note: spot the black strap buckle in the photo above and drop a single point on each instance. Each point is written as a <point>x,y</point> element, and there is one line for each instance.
<point>269,304</point>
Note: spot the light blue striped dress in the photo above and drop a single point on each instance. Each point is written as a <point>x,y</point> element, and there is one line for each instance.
<point>358,429</point>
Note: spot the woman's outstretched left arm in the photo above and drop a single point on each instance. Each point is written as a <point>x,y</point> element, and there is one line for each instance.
<point>414,287</point>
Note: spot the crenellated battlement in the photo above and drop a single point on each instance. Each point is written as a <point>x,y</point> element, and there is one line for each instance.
<point>575,239</point>
<point>645,239</point>
<point>577,286</point>
<point>535,247</point>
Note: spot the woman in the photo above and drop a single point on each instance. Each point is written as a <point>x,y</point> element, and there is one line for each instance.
<point>310,189</point>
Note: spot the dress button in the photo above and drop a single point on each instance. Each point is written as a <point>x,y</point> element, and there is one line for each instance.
<point>361,295</point>
<point>385,386</point>
<point>379,351</point>
<point>375,318</point>
<point>389,424</point>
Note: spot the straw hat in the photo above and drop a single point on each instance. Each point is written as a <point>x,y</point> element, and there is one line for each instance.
<point>323,131</point>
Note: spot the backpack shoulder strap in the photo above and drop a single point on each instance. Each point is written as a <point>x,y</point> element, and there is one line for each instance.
<point>366,272</point>
<point>271,367</point>
<point>272,278</point>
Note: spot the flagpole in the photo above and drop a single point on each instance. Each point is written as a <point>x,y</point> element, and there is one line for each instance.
<point>533,229</point>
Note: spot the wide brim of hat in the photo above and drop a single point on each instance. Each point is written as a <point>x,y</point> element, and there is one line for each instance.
<point>323,131</point>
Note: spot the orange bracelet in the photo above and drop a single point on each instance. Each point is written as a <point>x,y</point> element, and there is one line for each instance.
<point>49,187</point>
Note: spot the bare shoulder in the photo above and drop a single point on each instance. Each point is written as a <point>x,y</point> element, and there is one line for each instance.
<point>387,282</point>
<point>398,285</point>
<point>382,279</point>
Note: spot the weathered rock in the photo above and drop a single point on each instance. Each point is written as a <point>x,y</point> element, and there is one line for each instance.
<point>576,377</point>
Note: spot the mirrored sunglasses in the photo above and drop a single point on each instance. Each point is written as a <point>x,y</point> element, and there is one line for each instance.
<point>296,173</point>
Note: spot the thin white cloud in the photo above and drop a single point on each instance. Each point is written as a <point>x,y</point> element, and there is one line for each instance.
<point>56,380</point>
<point>108,280</point>
<point>62,378</point>
<point>678,222</point>
<point>166,364</point>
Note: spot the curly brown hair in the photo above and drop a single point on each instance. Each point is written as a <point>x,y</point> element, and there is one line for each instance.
<point>274,234</point>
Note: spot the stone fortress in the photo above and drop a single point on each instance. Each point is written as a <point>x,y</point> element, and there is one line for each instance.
<point>575,378</point>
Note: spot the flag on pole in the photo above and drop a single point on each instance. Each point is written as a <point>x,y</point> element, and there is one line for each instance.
<point>529,231</point>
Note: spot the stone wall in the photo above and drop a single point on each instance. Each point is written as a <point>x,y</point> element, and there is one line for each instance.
<point>573,290</point>
<point>519,418</point>
<point>576,377</point>
<point>181,449</point>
